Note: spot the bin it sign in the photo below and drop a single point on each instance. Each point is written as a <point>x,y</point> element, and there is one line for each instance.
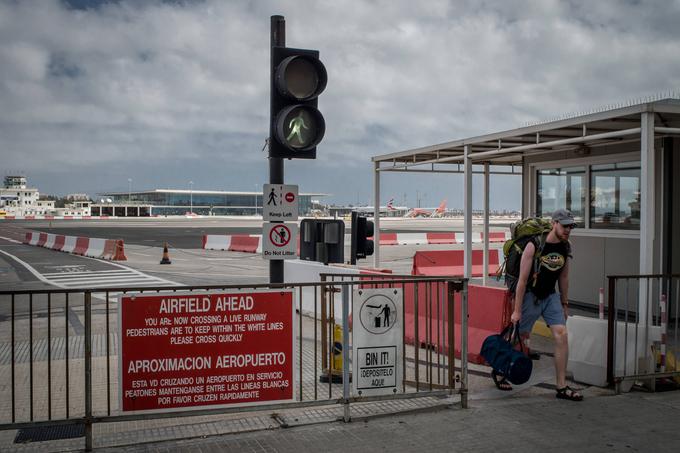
<point>377,342</point>
<point>191,350</point>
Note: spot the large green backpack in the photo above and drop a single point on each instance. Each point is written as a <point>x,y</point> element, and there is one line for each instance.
<point>531,229</point>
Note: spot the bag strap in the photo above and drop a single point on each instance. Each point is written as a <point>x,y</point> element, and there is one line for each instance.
<point>513,330</point>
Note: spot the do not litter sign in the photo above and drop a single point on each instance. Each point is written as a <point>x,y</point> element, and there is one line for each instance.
<point>279,241</point>
<point>280,202</point>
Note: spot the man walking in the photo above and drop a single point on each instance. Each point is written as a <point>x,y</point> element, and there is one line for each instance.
<point>535,294</point>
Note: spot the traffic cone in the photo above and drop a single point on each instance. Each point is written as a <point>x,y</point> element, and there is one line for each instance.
<point>119,254</point>
<point>166,256</point>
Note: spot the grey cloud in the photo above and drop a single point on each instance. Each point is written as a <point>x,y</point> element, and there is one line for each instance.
<point>185,84</point>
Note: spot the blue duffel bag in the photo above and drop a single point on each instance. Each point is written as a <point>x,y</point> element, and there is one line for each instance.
<point>506,361</point>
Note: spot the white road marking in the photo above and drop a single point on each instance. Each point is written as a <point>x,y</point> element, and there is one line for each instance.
<point>11,240</point>
<point>122,277</point>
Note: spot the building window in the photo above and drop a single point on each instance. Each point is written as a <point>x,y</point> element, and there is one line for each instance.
<point>562,188</point>
<point>615,196</point>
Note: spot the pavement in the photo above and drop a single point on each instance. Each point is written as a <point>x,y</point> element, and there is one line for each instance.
<point>633,422</point>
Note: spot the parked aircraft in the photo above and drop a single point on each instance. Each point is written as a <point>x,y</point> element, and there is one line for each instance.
<point>424,212</point>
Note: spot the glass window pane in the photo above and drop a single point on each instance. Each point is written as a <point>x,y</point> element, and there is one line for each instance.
<point>562,188</point>
<point>615,196</point>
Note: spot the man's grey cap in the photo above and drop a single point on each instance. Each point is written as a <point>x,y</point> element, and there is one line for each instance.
<point>564,216</point>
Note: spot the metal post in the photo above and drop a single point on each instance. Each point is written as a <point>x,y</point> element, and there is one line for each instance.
<point>345,351</point>
<point>376,215</point>
<point>278,39</point>
<point>88,371</point>
<point>611,326</point>
<point>464,345</point>
<point>467,261</point>
<point>647,208</point>
<point>486,224</point>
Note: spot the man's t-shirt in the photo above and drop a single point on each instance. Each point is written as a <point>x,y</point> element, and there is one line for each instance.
<point>552,262</point>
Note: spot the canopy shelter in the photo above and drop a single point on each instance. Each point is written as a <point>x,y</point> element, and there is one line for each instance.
<point>615,133</point>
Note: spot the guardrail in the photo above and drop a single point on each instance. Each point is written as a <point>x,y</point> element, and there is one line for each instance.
<point>59,350</point>
<point>643,329</point>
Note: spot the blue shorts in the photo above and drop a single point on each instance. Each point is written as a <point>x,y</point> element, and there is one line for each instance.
<point>549,308</point>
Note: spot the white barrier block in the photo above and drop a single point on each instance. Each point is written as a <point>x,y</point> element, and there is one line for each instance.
<point>411,238</point>
<point>299,271</point>
<point>460,238</point>
<point>95,248</point>
<point>217,242</point>
<point>49,244</point>
<point>69,244</point>
<point>588,348</point>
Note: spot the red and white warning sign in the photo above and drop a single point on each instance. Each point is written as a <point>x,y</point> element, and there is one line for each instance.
<point>280,202</point>
<point>194,350</point>
<point>279,241</point>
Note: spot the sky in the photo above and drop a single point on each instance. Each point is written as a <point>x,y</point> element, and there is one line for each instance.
<point>98,96</point>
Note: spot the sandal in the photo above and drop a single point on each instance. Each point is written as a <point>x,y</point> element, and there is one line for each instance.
<point>567,393</point>
<point>500,381</point>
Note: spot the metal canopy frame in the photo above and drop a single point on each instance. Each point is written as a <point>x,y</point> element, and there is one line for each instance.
<point>641,122</point>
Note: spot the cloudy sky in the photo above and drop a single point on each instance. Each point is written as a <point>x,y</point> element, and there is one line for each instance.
<point>93,93</point>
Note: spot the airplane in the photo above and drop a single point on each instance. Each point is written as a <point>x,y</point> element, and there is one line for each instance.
<point>429,213</point>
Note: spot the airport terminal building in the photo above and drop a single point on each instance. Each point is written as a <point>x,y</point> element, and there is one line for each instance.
<point>180,202</point>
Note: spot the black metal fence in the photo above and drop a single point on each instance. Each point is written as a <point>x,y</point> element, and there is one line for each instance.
<point>59,348</point>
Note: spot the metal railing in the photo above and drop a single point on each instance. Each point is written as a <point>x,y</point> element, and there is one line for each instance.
<point>642,328</point>
<point>59,348</point>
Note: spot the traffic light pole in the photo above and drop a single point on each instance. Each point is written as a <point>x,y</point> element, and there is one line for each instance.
<point>278,39</point>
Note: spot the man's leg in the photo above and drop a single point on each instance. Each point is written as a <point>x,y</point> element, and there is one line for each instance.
<point>559,333</point>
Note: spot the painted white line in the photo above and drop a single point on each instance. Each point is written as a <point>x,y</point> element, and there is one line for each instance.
<point>32,270</point>
<point>72,274</point>
<point>11,240</point>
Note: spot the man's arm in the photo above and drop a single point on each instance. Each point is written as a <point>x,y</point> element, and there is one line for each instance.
<point>525,270</point>
<point>563,283</point>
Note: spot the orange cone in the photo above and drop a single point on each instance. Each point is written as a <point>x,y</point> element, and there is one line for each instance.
<point>166,256</point>
<point>120,251</point>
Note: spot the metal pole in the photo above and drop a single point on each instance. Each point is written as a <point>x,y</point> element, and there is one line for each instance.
<point>467,260</point>
<point>464,346</point>
<point>191,197</point>
<point>486,225</point>
<point>278,39</point>
<point>647,207</point>
<point>376,215</point>
<point>345,351</point>
<point>88,371</point>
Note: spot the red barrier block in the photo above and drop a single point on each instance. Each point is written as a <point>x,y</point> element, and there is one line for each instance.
<point>82,245</point>
<point>42,239</point>
<point>497,236</point>
<point>59,242</point>
<point>244,244</point>
<point>441,238</point>
<point>388,239</point>
<point>451,262</point>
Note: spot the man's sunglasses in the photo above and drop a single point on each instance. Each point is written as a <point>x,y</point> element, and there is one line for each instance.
<point>570,227</point>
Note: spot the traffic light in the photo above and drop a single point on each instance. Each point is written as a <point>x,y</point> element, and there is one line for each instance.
<point>297,126</point>
<point>322,240</point>
<point>362,229</point>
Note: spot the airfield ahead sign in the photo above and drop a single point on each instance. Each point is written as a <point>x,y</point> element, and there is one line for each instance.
<point>280,202</point>
<point>377,341</point>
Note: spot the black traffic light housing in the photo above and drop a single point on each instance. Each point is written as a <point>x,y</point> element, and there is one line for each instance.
<point>322,240</point>
<point>362,229</point>
<point>297,126</point>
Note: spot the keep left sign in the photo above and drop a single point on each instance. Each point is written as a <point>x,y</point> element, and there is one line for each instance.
<point>204,349</point>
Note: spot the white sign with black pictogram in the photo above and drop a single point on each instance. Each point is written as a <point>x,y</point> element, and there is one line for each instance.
<point>279,202</point>
<point>279,241</point>
<point>377,342</point>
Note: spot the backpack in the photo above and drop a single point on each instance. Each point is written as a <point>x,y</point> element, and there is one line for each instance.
<point>531,229</point>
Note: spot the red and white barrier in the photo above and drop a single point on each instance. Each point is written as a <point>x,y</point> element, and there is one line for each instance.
<point>58,217</point>
<point>107,249</point>
<point>249,243</point>
<point>252,243</point>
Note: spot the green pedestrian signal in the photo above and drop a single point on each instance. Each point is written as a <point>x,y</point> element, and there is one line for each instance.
<point>297,126</point>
